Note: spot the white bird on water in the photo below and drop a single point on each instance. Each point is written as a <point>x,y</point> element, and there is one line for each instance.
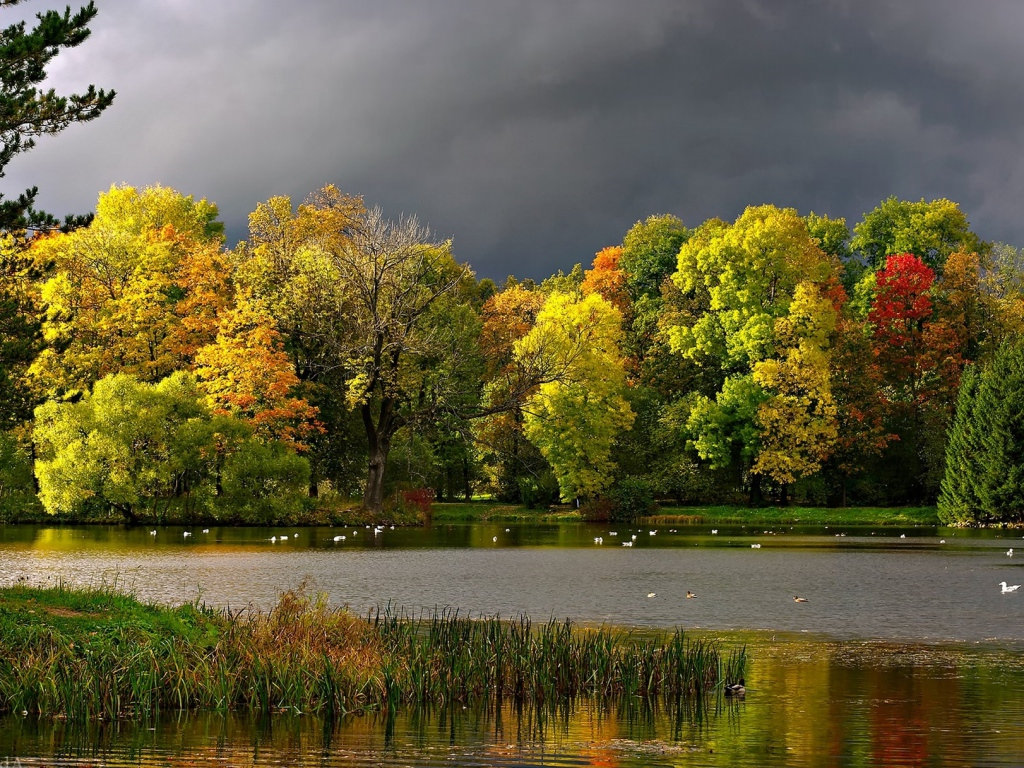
<point>652,594</point>
<point>1011,588</point>
<point>599,540</point>
<point>187,533</point>
<point>1009,552</point>
<point>339,538</point>
<point>627,543</point>
<point>755,546</point>
<point>152,533</point>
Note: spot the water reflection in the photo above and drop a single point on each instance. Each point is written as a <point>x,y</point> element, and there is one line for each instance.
<point>809,703</point>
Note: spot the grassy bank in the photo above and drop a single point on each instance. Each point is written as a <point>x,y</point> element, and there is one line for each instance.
<point>666,515</point>
<point>830,516</point>
<point>85,654</point>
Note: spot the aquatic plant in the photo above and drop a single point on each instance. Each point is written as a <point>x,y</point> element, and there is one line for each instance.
<point>85,654</point>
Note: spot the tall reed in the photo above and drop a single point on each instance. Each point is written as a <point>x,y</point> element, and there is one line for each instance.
<point>86,655</point>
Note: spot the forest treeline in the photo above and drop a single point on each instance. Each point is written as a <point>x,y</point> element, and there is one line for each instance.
<point>337,355</point>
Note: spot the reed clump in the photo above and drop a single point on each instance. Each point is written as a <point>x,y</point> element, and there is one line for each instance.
<point>85,654</point>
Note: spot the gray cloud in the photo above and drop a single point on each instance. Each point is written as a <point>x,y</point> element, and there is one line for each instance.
<point>536,133</point>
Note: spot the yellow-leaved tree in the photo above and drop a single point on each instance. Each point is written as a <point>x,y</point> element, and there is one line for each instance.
<point>579,407</point>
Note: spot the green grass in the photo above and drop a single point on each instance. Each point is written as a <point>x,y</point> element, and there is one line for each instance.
<point>499,512</point>
<point>100,654</point>
<point>810,516</point>
<point>669,515</point>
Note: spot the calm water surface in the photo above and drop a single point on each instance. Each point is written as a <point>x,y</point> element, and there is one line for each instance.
<point>906,653</point>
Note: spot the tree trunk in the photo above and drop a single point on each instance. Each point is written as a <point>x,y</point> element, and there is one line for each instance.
<point>378,441</point>
<point>373,495</point>
<point>756,499</point>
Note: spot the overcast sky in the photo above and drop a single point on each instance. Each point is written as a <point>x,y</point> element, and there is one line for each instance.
<point>536,133</point>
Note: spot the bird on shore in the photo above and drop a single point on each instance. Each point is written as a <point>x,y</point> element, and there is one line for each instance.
<point>690,595</point>
<point>1007,589</point>
<point>797,599</point>
<point>736,689</point>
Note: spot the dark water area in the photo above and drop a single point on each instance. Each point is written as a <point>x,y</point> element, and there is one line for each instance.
<point>906,653</point>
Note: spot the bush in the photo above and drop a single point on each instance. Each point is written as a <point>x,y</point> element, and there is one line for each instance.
<point>631,498</point>
<point>264,484</point>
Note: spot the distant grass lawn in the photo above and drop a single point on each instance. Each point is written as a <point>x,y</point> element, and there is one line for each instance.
<point>892,516</point>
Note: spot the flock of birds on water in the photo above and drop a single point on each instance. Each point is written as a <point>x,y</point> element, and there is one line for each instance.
<point>599,540</point>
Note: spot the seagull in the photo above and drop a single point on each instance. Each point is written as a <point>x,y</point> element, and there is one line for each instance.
<point>1011,588</point>
<point>690,595</point>
<point>799,599</point>
<point>652,594</point>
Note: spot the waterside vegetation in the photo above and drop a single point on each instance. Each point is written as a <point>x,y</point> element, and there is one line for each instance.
<point>99,653</point>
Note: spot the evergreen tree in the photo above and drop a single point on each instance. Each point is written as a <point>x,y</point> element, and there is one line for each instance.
<point>999,419</point>
<point>27,112</point>
<point>958,500</point>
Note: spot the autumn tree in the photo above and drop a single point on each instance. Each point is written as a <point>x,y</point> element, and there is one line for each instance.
<point>246,373</point>
<point>514,467</point>
<point>393,274</point>
<point>765,322</point>
<point>27,112</point>
<point>920,365</point>
<point>606,278</point>
<point>137,291</point>
<point>579,408</point>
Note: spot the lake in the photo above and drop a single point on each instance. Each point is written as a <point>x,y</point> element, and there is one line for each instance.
<point>905,653</point>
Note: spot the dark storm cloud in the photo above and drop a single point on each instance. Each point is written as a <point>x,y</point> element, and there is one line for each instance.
<point>536,133</point>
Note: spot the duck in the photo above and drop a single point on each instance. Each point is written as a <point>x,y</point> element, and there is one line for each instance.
<point>1007,589</point>
<point>797,599</point>
<point>736,689</point>
<point>690,595</point>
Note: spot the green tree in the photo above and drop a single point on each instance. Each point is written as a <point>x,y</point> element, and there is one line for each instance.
<point>958,500</point>
<point>929,230</point>
<point>998,416</point>
<point>649,252</point>
<point>27,112</point>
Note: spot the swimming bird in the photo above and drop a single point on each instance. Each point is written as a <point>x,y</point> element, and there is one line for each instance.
<point>652,594</point>
<point>284,538</point>
<point>714,531</point>
<point>690,595</point>
<point>755,546</point>
<point>627,543</point>
<point>495,539</point>
<point>736,689</point>
<point>187,533</point>
<point>152,533</point>
<point>1011,588</point>
<point>1009,552</point>
<point>339,538</point>
<point>799,599</point>
<point>599,540</point>
<point>273,539</point>
<point>903,535</point>
<point>206,530</point>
